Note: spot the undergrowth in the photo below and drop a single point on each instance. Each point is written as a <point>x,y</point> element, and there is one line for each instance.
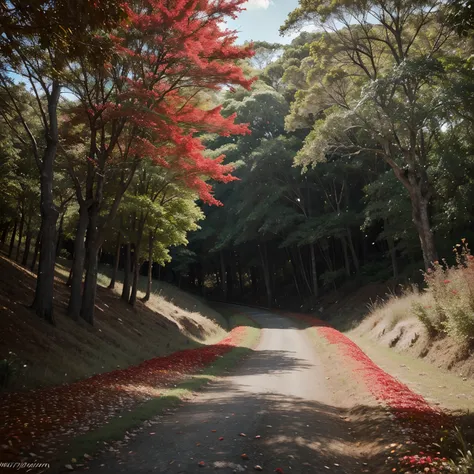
<point>444,306</point>
<point>464,461</point>
<point>451,291</point>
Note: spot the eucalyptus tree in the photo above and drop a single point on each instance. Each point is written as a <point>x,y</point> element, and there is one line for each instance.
<point>373,84</point>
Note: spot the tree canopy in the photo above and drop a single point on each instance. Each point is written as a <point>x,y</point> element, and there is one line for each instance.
<point>265,172</point>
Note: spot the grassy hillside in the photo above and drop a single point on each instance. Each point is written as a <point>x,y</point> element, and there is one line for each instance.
<point>435,323</point>
<point>34,353</point>
<point>395,323</point>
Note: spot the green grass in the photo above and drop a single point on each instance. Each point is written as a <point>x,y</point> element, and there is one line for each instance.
<point>115,429</point>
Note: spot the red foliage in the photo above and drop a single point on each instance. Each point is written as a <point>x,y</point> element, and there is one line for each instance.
<point>410,409</point>
<point>383,386</point>
<point>424,463</point>
<point>47,415</point>
<point>167,54</point>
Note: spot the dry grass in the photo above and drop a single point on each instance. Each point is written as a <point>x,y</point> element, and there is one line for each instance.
<point>445,307</point>
<point>386,314</point>
<point>451,290</point>
<point>192,315</point>
<point>436,323</point>
<point>391,322</point>
<point>121,336</point>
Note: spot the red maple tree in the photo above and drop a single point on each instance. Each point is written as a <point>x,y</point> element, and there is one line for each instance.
<point>145,103</point>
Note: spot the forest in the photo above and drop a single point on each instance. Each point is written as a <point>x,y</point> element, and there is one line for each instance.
<point>143,137</point>
<point>359,166</point>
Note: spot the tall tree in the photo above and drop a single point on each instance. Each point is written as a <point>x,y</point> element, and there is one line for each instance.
<point>374,87</point>
<point>145,103</point>
<point>37,41</point>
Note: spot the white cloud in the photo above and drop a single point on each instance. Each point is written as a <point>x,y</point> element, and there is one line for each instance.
<point>257,4</point>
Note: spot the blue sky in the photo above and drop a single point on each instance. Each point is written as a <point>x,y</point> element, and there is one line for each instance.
<point>262,20</point>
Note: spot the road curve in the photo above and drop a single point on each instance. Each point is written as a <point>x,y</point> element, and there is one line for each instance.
<point>278,394</point>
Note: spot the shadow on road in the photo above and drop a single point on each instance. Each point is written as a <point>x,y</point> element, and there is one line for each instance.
<point>294,434</point>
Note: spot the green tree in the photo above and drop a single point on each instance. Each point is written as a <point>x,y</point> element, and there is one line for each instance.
<point>373,86</point>
<point>36,45</point>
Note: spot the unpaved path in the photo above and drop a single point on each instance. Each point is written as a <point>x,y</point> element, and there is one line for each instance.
<point>280,394</point>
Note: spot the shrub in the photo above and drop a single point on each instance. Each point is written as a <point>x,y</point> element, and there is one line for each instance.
<point>423,315</point>
<point>452,291</point>
<point>446,305</point>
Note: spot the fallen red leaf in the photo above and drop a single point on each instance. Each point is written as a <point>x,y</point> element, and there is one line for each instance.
<point>53,414</point>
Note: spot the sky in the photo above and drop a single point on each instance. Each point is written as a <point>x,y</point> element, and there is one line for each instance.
<point>262,20</point>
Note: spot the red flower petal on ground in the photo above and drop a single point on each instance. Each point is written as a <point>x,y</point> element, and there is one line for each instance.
<point>51,415</point>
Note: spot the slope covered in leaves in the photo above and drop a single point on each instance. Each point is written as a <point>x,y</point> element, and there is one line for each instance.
<point>39,354</point>
<point>42,419</point>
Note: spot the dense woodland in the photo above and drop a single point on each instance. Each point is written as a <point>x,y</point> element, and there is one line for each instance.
<point>360,163</point>
<point>261,173</point>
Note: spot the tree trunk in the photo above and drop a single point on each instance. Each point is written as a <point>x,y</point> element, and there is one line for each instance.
<point>294,273</point>
<point>393,256</point>
<point>26,253</point>
<point>92,267</point>
<point>302,269</point>
<point>20,235</point>
<point>12,238</point>
<point>253,279</point>
<point>90,286</point>
<point>150,268</point>
<point>5,230</point>
<point>239,270</point>
<point>314,272</point>
<point>416,183</point>
<point>365,249</point>
<point>116,262</point>
<point>126,274</point>
<point>323,245</point>
<point>421,218</point>
<point>136,270</point>
<point>43,302</point>
<point>59,241</point>
<point>135,277</point>
<point>355,258</point>
<point>77,268</point>
<point>266,273</point>
<point>69,278</point>
<point>347,264</point>
<point>36,251</point>
<point>223,275</point>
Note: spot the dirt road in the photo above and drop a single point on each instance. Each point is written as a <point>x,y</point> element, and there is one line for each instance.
<point>278,398</point>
